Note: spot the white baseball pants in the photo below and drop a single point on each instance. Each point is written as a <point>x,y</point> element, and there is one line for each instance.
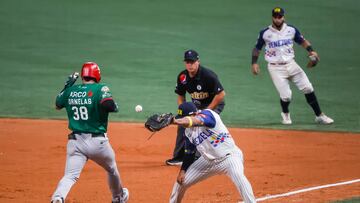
<point>282,74</point>
<point>231,165</point>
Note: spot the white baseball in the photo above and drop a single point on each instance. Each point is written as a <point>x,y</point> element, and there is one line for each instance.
<point>138,108</point>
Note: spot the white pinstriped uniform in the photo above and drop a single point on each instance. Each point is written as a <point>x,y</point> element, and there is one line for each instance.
<point>219,155</point>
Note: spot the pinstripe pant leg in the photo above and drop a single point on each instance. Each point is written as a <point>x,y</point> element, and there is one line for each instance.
<point>235,170</point>
<point>198,171</point>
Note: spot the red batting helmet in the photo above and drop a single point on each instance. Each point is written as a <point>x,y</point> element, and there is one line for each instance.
<point>91,70</point>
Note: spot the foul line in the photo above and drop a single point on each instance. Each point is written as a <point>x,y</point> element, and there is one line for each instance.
<point>306,190</point>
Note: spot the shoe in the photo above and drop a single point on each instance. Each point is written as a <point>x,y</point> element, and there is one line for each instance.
<point>125,195</point>
<point>58,200</point>
<point>123,199</point>
<point>286,120</point>
<point>323,119</point>
<point>173,162</point>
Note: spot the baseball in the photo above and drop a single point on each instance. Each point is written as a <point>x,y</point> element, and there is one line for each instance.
<point>138,108</point>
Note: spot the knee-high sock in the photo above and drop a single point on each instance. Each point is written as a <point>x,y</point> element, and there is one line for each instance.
<point>312,101</point>
<point>284,106</point>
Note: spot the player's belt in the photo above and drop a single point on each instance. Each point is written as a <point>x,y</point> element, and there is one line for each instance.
<point>72,136</point>
<point>282,63</point>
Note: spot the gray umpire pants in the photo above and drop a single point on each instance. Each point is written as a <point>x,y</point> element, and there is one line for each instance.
<point>179,149</point>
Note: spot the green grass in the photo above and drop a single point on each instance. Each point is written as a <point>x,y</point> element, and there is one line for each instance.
<point>139,45</point>
<point>352,200</point>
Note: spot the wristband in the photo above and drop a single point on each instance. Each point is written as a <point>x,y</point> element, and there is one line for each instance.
<point>190,121</point>
<point>309,48</point>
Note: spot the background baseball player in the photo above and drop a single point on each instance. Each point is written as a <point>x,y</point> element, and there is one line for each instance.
<point>278,39</point>
<point>88,105</point>
<point>206,132</point>
<point>205,90</point>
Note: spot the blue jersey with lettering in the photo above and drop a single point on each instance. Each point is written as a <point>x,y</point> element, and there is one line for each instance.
<point>279,43</point>
<point>212,139</point>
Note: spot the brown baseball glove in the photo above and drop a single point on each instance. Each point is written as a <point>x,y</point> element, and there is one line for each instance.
<point>314,60</point>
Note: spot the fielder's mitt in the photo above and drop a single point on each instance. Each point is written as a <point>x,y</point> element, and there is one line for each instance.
<point>314,60</point>
<point>157,122</point>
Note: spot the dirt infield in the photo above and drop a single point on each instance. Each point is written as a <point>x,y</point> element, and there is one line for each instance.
<point>32,158</point>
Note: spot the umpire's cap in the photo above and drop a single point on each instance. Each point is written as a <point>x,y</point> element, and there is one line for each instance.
<point>191,55</point>
<point>277,11</point>
<point>186,109</point>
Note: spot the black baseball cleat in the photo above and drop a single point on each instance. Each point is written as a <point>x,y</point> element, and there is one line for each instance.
<point>173,162</point>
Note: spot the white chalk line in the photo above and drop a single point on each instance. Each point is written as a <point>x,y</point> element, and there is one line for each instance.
<point>305,190</point>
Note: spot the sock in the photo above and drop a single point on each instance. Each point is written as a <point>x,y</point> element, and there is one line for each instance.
<point>284,106</point>
<point>312,101</point>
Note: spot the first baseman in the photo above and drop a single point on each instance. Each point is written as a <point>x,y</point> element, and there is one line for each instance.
<point>88,106</point>
<point>206,132</point>
<point>279,39</point>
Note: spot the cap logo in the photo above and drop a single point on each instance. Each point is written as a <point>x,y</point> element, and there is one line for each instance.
<point>277,10</point>
<point>198,87</point>
<point>179,112</point>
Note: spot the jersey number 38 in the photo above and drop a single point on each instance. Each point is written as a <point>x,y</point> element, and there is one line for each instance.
<point>80,113</point>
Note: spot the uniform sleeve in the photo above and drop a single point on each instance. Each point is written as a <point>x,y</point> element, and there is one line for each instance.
<point>216,85</point>
<point>109,105</point>
<point>298,37</point>
<point>207,118</point>
<point>260,41</point>
<point>60,100</point>
<point>105,93</point>
<point>180,84</point>
<point>106,101</point>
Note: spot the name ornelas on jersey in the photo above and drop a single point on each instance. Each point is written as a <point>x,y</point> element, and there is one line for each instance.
<point>80,98</point>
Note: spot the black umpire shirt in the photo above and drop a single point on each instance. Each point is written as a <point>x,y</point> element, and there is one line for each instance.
<point>202,87</point>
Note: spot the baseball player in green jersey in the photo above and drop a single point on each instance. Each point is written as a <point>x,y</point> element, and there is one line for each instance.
<point>88,106</point>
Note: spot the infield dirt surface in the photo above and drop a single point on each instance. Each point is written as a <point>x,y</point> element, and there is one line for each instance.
<point>32,160</point>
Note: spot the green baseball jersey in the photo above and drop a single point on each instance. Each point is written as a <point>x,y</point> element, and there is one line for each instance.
<point>82,103</point>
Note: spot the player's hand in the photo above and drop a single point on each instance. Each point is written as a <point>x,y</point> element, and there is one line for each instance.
<point>181,177</point>
<point>313,59</point>
<point>314,53</point>
<point>255,69</point>
<point>71,80</point>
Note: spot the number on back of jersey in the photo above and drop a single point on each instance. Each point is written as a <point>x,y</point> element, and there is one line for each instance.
<point>80,113</point>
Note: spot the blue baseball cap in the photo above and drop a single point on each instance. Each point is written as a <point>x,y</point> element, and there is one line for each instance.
<point>191,55</point>
<point>186,109</point>
<point>277,11</point>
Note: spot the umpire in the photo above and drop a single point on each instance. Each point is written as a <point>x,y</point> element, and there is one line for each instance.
<point>205,90</point>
